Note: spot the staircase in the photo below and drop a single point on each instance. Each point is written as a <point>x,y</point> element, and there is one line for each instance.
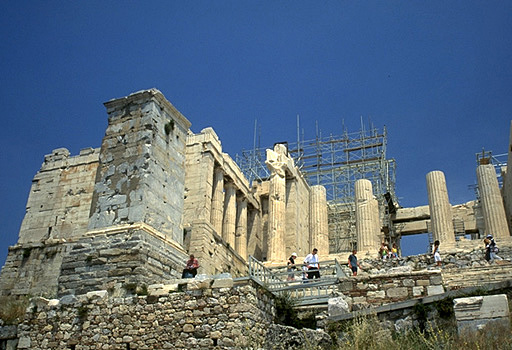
<point>305,292</point>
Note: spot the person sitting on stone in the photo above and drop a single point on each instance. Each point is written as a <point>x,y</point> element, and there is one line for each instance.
<point>492,248</point>
<point>394,251</point>
<point>190,270</point>
<point>383,251</point>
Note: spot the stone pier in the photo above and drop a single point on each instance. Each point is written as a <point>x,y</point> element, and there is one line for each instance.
<point>492,202</point>
<point>367,219</point>
<point>440,209</point>
<point>143,152</point>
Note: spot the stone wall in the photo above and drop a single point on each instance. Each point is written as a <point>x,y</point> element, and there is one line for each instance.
<point>32,269</point>
<point>187,314</point>
<point>105,259</point>
<point>114,259</point>
<point>60,197</point>
<point>362,292</point>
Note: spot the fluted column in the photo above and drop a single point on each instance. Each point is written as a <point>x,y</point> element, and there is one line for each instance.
<point>507,184</point>
<point>441,217</point>
<point>492,202</point>
<point>319,225</point>
<point>277,204</point>
<point>367,218</point>
<point>217,200</point>
<point>241,227</point>
<point>229,220</point>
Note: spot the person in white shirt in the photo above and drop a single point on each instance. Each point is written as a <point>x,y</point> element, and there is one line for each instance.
<point>313,264</point>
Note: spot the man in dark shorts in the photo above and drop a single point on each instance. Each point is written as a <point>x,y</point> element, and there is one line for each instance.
<point>352,262</point>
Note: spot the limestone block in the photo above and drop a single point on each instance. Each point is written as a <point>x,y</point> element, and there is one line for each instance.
<point>379,294</point>
<point>434,290</point>
<point>398,292</point>
<point>223,283</point>
<point>53,302</point>
<point>408,282</point>
<point>422,282</point>
<point>359,300</point>
<point>39,302</point>
<point>198,284</point>
<point>24,343</point>
<point>473,313</point>
<point>7,332</point>
<point>436,280</point>
<point>155,286</point>
<point>417,291</point>
<point>98,294</point>
<point>337,306</point>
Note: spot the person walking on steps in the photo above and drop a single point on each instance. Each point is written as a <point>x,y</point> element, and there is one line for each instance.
<point>353,263</point>
<point>313,264</point>
<point>291,267</point>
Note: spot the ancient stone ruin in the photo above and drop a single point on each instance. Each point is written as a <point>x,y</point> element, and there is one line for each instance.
<point>128,214</point>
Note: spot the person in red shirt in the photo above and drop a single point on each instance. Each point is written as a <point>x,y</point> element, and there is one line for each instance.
<point>190,270</point>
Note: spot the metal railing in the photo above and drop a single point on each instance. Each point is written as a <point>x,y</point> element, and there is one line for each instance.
<point>279,280</point>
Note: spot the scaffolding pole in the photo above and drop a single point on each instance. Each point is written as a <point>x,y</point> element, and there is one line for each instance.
<point>337,162</point>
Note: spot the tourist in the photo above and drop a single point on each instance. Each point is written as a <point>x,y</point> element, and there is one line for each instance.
<point>492,248</point>
<point>304,273</point>
<point>190,270</point>
<point>394,251</point>
<point>487,243</point>
<point>291,267</point>
<point>435,252</point>
<point>313,264</point>
<point>383,251</point>
<point>353,263</point>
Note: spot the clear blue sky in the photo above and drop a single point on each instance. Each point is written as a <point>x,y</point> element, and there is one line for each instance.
<point>438,74</point>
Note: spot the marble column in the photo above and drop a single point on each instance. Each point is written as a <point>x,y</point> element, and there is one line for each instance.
<point>319,225</point>
<point>507,184</point>
<point>277,205</point>
<point>492,202</point>
<point>229,219</point>
<point>441,217</point>
<point>241,227</point>
<point>367,219</point>
<point>217,207</point>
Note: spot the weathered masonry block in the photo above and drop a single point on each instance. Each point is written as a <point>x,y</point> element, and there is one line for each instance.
<point>141,174</point>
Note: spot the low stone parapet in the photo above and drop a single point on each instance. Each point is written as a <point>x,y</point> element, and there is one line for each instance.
<point>375,290</point>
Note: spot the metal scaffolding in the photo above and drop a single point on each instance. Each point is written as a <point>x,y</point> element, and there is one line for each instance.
<point>336,162</point>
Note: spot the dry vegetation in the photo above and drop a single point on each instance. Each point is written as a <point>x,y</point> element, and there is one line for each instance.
<point>368,334</point>
<point>12,310</point>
